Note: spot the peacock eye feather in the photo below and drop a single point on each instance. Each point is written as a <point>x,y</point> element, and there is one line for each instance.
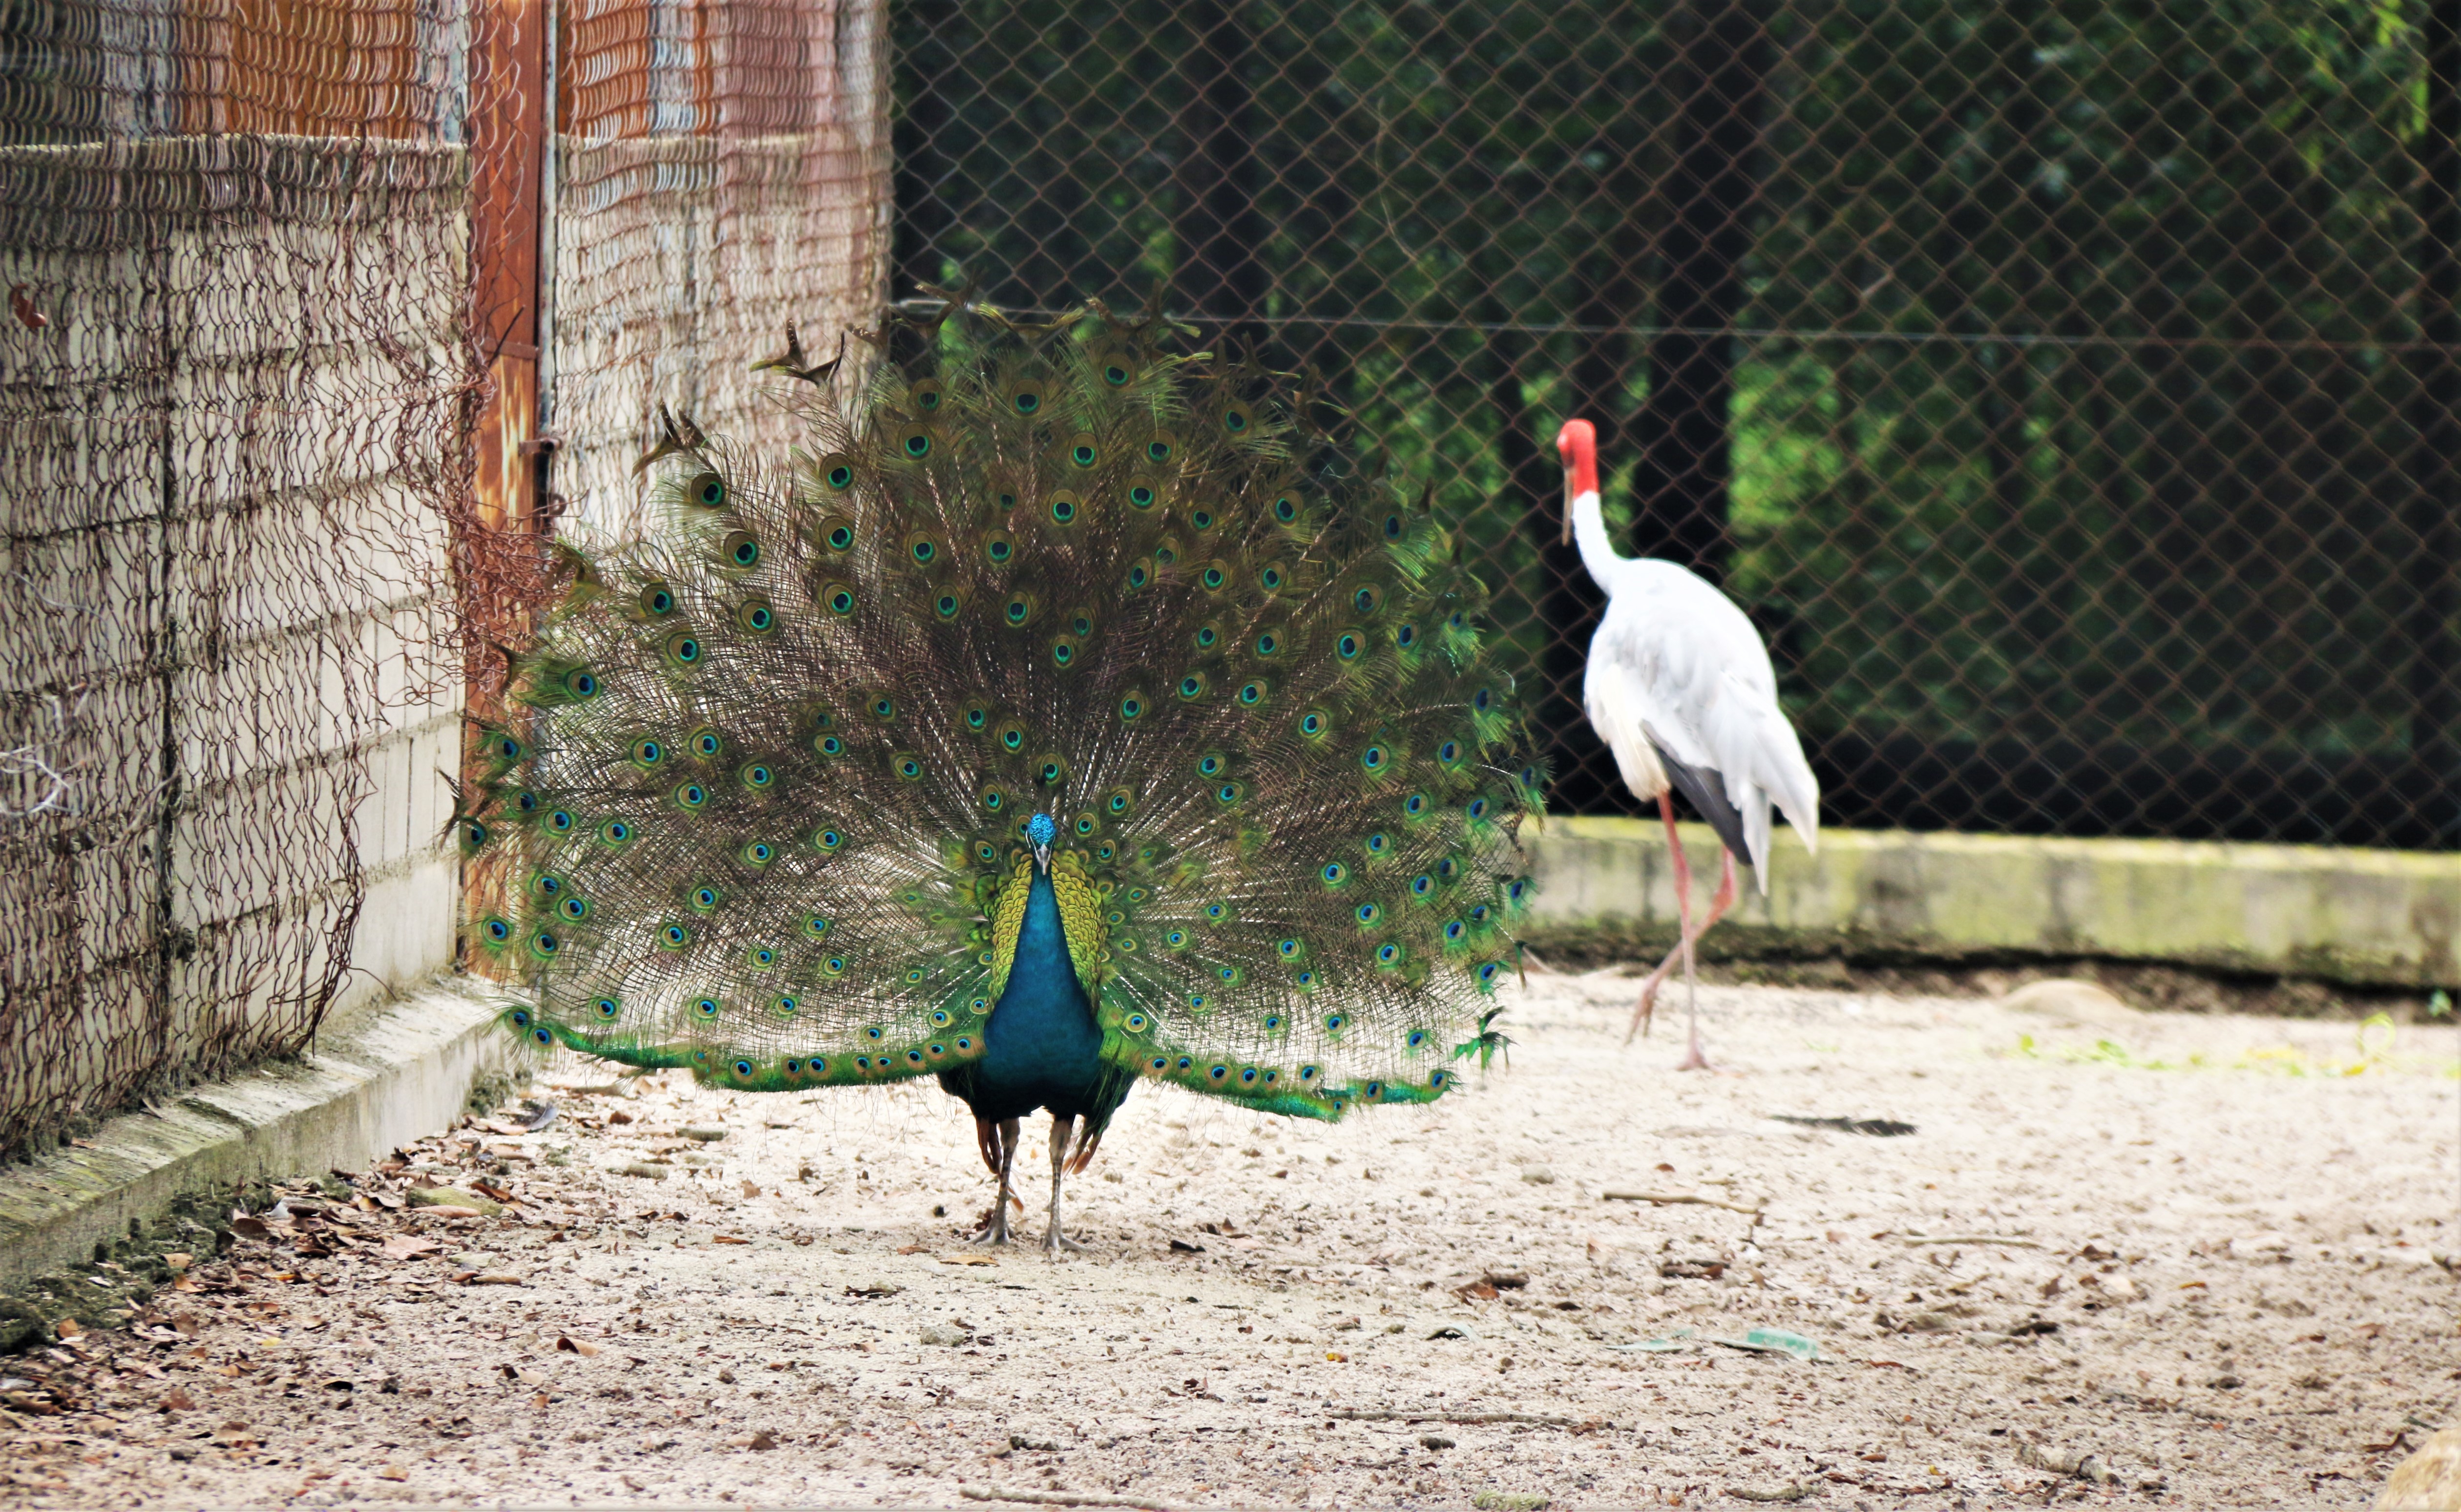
<point>1063,507</point>
<point>708,490</point>
<point>1237,420</point>
<point>926,397</point>
<point>836,472</point>
<point>754,617</point>
<point>691,797</point>
<point>739,550</point>
<point>1162,446</point>
<point>706,743</point>
<point>614,834</point>
<point>657,601</point>
<point>837,599</point>
<point>1143,494</point>
<point>1082,451</point>
<point>999,548</point>
<point>682,648</point>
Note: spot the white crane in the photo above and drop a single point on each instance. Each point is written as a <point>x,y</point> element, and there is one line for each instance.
<point>1679,687</point>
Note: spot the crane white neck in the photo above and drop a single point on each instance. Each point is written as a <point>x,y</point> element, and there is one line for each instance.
<point>1590,533</point>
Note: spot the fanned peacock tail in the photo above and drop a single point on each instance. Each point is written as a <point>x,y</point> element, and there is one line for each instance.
<point>763,811</point>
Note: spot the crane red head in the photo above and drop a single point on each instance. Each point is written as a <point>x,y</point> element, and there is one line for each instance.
<point>1578,444</point>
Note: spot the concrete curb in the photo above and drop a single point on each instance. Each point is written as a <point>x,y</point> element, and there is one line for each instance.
<point>2369,918</point>
<point>377,1077</point>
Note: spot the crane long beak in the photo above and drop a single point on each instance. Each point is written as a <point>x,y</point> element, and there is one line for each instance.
<point>1568,506</point>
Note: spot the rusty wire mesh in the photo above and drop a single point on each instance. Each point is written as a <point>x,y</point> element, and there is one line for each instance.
<point>2068,392</point>
<point>274,475</point>
<point>230,383</point>
<point>722,174</point>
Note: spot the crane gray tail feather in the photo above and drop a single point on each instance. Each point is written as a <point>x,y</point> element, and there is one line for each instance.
<point>1708,801</point>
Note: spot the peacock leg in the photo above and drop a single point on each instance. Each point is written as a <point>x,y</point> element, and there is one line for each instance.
<point>1693,1059</point>
<point>1063,1126</point>
<point>1641,1012</point>
<point>998,1144</point>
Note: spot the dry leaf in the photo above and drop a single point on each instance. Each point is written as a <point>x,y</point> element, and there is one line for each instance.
<point>392,1473</point>
<point>176,1400</point>
<point>67,1328</point>
<point>727,1239</point>
<point>911,1249</point>
<point>409,1246</point>
<point>761,1440</point>
<point>967,1260</point>
<point>178,1260</point>
<point>572,1346</point>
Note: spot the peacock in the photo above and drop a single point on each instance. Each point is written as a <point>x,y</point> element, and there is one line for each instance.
<point>1068,710</point>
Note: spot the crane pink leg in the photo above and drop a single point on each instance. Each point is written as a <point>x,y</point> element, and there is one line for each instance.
<point>1724,900</point>
<point>1643,1011</point>
<point>1719,904</point>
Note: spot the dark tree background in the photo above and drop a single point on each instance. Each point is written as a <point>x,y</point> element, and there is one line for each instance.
<point>2067,389</point>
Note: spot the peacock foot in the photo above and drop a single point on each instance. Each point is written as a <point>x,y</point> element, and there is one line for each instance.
<point>991,1225</point>
<point>1053,1242</point>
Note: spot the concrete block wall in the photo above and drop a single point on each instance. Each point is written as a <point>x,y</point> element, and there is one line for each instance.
<point>218,478</point>
<point>2369,918</point>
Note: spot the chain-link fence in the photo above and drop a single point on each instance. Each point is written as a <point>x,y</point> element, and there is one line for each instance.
<point>2068,392</point>
<point>281,375</point>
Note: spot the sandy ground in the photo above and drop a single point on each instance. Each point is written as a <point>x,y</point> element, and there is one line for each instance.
<point>2211,1253</point>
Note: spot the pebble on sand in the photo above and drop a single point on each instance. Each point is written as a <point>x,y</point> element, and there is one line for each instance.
<point>2067,1000</point>
<point>2428,1480</point>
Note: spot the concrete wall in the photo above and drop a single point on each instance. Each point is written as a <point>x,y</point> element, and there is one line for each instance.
<point>221,455</point>
<point>2363,917</point>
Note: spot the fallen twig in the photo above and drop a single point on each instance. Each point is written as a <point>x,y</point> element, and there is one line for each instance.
<point>1794,1491</point>
<point>1971,1239</point>
<point>1377,1415</point>
<point>1693,1198</point>
<point>1070,1499</point>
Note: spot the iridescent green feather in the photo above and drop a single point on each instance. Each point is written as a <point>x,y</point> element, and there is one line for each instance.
<point>762,812</point>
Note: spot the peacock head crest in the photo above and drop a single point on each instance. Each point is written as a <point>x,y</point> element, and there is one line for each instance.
<point>1039,832</point>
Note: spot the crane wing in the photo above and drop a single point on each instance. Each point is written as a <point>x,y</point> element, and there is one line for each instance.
<point>1678,665</point>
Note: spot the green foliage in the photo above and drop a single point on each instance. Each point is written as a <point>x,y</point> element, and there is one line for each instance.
<point>2074,402</point>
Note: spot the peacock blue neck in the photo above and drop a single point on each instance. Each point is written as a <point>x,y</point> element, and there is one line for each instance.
<point>1041,1039</point>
